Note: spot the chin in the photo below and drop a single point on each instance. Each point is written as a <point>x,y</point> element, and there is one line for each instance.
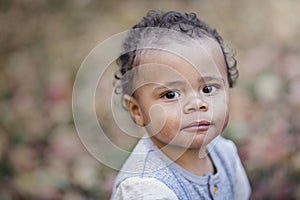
<point>192,145</point>
<point>200,142</point>
<point>196,145</point>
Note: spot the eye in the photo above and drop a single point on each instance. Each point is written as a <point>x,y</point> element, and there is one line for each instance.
<point>170,95</point>
<point>209,89</point>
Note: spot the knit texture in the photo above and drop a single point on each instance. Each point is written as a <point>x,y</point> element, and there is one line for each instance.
<point>147,161</point>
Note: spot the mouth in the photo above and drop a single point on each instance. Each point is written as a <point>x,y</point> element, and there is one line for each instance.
<point>197,126</point>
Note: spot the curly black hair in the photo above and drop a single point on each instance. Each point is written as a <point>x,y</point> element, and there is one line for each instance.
<point>185,23</point>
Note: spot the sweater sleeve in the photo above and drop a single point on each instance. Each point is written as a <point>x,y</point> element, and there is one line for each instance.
<point>143,188</point>
<point>242,186</point>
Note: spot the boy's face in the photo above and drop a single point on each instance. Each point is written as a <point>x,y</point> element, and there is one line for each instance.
<point>182,103</point>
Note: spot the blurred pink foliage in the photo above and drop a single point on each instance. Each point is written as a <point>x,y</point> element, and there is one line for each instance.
<point>42,44</point>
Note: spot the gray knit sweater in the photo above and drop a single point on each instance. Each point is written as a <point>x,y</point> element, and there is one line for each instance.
<point>147,163</point>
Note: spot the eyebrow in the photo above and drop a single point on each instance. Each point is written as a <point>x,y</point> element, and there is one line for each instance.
<point>211,78</point>
<point>180,83</point>
<point>169,84</point>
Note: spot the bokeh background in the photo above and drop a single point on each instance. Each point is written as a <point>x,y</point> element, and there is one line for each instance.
<point>43,43</point>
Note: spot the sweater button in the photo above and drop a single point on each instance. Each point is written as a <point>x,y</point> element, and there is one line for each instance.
<point>215,190</point>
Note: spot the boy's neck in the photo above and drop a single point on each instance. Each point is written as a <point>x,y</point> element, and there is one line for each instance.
<point>197,161</point>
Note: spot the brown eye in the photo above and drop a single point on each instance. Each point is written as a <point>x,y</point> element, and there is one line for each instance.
<point>171,95</point>
<point>209,89</point>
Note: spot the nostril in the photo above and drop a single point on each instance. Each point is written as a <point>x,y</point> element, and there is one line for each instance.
<point>204,108</point>
<point>196,107</point>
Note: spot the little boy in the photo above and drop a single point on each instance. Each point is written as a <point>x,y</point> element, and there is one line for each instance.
<point>175,74</point>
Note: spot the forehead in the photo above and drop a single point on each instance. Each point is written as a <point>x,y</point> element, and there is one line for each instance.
<point>189,60</point>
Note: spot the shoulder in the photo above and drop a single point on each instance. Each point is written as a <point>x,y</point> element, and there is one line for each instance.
<point>227,143</point>
<point>143,188</point>
<point>230,159</point>
<point>144,159</point>
<point>223,146</point>
<point>143,163</point>
<point>224,152</point>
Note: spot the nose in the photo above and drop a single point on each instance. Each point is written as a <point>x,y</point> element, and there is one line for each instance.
<point>195,103</point>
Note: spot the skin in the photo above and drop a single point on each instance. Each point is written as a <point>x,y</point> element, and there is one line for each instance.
<point>174,93</point>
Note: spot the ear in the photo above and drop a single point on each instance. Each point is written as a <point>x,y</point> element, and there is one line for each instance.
<point>134,109</point>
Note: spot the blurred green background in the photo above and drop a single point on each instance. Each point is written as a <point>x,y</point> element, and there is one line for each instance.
<point>42,44</point>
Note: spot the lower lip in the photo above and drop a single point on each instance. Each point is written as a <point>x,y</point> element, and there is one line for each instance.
<point>197,128</point>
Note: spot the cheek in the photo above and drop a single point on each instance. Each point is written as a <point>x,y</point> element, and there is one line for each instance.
<point>161,119</point>
<point>168,132</point>
<point>171,125</point>
<point>226,120</point>
<point>220,111</point>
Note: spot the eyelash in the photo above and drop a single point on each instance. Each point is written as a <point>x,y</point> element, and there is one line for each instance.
<point>214,86</point>
<point>163,95</point>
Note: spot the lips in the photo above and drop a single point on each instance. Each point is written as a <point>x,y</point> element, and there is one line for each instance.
<point>197,126</point>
